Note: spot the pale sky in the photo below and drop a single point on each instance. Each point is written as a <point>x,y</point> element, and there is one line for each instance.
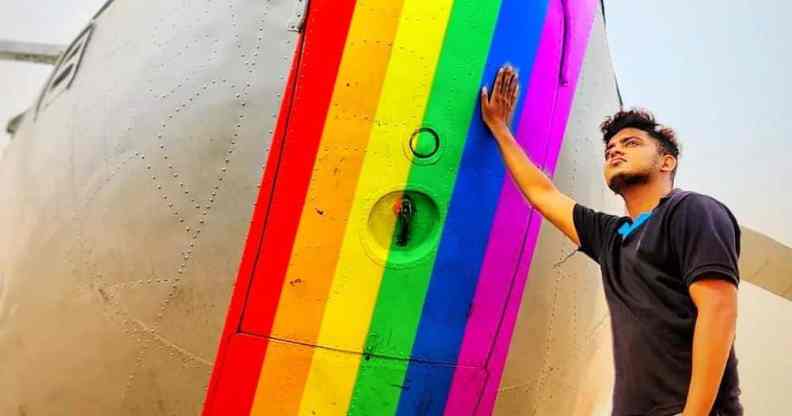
<point>716,71</point>
<point>46,21</point>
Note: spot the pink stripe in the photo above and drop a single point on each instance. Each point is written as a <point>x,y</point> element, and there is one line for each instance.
<point>513,215</point>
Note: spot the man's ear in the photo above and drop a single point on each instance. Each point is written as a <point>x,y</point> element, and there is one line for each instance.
<point>668,163</point>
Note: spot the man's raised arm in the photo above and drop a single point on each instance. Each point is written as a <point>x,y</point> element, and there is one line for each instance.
<point>497,109</point>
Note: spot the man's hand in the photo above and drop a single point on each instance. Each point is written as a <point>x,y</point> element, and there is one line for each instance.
<point>497,109</point>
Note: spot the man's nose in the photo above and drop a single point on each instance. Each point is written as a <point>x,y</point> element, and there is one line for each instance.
<point>615,151</point>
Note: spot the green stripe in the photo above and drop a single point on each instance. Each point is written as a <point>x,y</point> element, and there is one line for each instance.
<point>452,104</point>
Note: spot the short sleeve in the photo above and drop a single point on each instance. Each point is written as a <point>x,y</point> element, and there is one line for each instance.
<point>706,239</point>
<point>594,229</point>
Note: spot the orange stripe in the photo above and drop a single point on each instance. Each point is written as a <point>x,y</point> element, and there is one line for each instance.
<point>327,206</point>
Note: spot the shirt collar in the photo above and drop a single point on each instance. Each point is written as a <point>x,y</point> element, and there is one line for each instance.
<point>628,226</point>
<point>669,195</point>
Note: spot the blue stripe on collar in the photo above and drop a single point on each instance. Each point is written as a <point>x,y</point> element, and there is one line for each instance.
<point>626,229</point>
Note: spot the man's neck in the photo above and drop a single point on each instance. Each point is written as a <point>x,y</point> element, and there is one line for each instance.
<point>644,198</point>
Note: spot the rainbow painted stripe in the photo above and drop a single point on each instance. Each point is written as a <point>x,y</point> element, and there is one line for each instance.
<point>353,329</point>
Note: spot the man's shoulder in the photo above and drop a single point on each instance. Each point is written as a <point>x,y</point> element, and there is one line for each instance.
<point>604,216</point>
<point>686,205</point>
<point>691,202</point>
<point>588,220</point>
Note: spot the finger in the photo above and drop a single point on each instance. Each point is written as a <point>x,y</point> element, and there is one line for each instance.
<point>484,96</point>
<point>506,79</point>
<point>498,83</point>
<point>512,81</point>
<point>513,87</point>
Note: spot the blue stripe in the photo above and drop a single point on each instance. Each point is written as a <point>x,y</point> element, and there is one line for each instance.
<point>467,228</point>
<point>626,229</point>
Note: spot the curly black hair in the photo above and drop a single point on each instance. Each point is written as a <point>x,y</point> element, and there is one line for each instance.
<point>642,120</point>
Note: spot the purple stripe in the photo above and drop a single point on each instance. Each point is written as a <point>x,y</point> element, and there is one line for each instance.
<point>541,139</point>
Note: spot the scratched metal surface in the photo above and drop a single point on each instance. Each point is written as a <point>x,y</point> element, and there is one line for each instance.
<point>125,204</point>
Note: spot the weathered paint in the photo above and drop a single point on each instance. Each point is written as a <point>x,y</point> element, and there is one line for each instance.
<point>325,214</point>
<point>236,373</point>
<point>577,17</point>
<point>356,280</point>
<point>384,325</point>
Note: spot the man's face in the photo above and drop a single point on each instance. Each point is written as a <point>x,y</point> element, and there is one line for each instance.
<point>631,158</point>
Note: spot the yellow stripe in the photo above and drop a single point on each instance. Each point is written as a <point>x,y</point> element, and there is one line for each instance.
<point>327,206</point>
<point>357,278</point>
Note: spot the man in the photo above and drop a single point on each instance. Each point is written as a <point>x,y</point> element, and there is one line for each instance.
<point>669,269</point>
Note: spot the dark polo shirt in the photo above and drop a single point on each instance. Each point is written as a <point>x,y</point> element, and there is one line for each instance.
<point>647,267</point>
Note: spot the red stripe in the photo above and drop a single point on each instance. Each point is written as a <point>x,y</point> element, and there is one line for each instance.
<point>324,46</point>
<point>275,220</point>
<point>236,397</point>
<point>240,370</point>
